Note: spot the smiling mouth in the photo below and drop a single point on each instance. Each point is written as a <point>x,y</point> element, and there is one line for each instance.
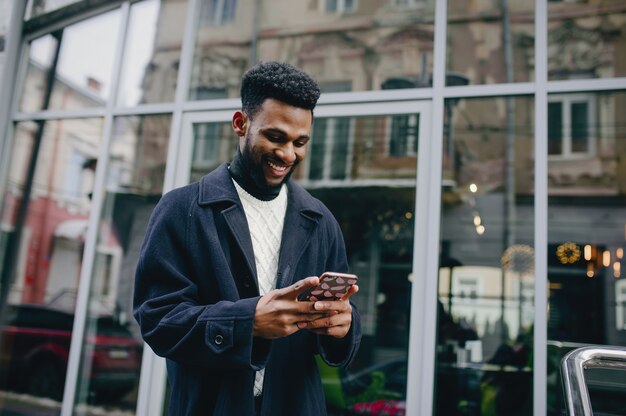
<point>277,167</point>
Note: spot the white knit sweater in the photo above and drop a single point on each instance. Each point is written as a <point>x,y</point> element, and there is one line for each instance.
<point>265,222</point>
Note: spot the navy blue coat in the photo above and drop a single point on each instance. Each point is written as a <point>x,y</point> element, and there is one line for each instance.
<point>196,292</point>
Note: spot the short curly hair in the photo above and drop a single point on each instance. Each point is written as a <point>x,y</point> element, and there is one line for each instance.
<point>280,81</point>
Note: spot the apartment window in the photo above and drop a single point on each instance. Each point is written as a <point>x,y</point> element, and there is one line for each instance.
<point>403,135</point>
<point>220,12</point>
<point>408,4</point>
<point>329,149</point>
<point>206,151</point>
<point>571,121</point>
<point>340,6</point>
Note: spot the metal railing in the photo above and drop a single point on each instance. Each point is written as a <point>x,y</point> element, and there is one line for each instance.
<point>573,367</point>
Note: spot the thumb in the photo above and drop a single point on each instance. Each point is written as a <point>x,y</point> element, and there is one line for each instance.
<point>293,291</point>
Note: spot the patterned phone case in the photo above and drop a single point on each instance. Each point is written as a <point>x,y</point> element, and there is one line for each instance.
<point>332,287</point>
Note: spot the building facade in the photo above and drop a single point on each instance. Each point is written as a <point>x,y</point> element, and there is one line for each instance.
<point>474,154</point>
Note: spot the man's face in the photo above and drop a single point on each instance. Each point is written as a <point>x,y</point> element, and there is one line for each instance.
<point>274,141</point>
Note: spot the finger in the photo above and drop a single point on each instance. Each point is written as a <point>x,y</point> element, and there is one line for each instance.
<point>341,306</point>
<point>300,286</point>
<point>329,321</point>
<point>353,289</point>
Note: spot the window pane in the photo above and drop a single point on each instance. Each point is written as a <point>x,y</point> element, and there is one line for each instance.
<point>585,39</point>
<point>378,45</point>
<point>152,52</point>
<point>586,241</point>
<point>555,128</point>
<point>580,127</point>
<point>42,233</point>
<point>486,270</point>
<point>134,185</point>
<point>213,144</point>
<point>80,76</point>
<point>490,42</point>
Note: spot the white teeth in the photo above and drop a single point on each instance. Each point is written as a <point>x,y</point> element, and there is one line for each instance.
<point>273,166</point>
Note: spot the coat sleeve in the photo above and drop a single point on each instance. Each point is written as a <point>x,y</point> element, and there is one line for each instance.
<point>172,321</point>
<point>339,352</point>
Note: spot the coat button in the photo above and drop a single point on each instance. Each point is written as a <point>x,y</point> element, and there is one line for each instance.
<point>219,339</point>
<point>246,284</point>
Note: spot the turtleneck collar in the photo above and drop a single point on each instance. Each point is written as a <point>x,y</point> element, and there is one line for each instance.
<point>241,172</point>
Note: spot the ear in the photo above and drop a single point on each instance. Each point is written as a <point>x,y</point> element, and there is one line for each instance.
<point>240,123</point>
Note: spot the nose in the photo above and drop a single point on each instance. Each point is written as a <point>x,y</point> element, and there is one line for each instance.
<point>286,153</point>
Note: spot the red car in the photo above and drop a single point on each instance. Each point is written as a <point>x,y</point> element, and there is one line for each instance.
<point>34,350</point>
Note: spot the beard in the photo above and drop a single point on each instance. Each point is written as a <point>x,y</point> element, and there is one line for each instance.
<point>255,169</point>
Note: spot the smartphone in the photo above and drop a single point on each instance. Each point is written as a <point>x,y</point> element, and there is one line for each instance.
<point>333,286</point>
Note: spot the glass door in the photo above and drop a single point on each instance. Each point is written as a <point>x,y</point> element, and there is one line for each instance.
<point>362,163</point>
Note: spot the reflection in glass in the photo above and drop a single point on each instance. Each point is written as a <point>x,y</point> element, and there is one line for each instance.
<point>134,185</point>
<point>350,167</point>
<point>486,274</point>
<point>587,236</point>
<point>152,52</point>
<point>585,39</point>
<point>490,42</point>
<point>356,44</point>
<point>213,144</point>
<point>44,221</point>
<point>71,68</point>
<point>373,149</point>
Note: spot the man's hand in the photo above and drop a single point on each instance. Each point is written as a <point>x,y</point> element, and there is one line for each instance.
<point>337,316</point>
<point>279,313</point>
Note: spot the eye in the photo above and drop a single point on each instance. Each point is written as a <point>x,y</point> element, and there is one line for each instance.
<point>299,143</point>
<point>273,138</point>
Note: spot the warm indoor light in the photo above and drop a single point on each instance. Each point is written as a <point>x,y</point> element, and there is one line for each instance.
<point>617,268</point>
<point>606,258</point>
<point>619,253</point>
<point>477,220</point>
<point>473,188</point>
<point>480,229</point>
<point>590,270</point>
<point>587,252</point>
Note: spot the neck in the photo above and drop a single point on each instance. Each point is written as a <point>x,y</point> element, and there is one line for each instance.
<point>240,171</point>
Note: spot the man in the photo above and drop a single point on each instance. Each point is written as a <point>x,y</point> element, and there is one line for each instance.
<point>224,260</point>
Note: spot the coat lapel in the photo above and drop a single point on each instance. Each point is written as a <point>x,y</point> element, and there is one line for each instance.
<point>301,220</point>
<point>238,225</point>
<point>216,188</point>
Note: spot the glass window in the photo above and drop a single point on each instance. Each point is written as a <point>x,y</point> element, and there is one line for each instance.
<point>490,42</point>
<point>340,6</point>
<point>585,39</point>
<point>42,234</point>
<point>486,265</point>
<point>366,45</point>
<point>586,241</point>
<point>571,125</point>
<point>134,185</point>
<point>71,68</point>
<point>152,54</point>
